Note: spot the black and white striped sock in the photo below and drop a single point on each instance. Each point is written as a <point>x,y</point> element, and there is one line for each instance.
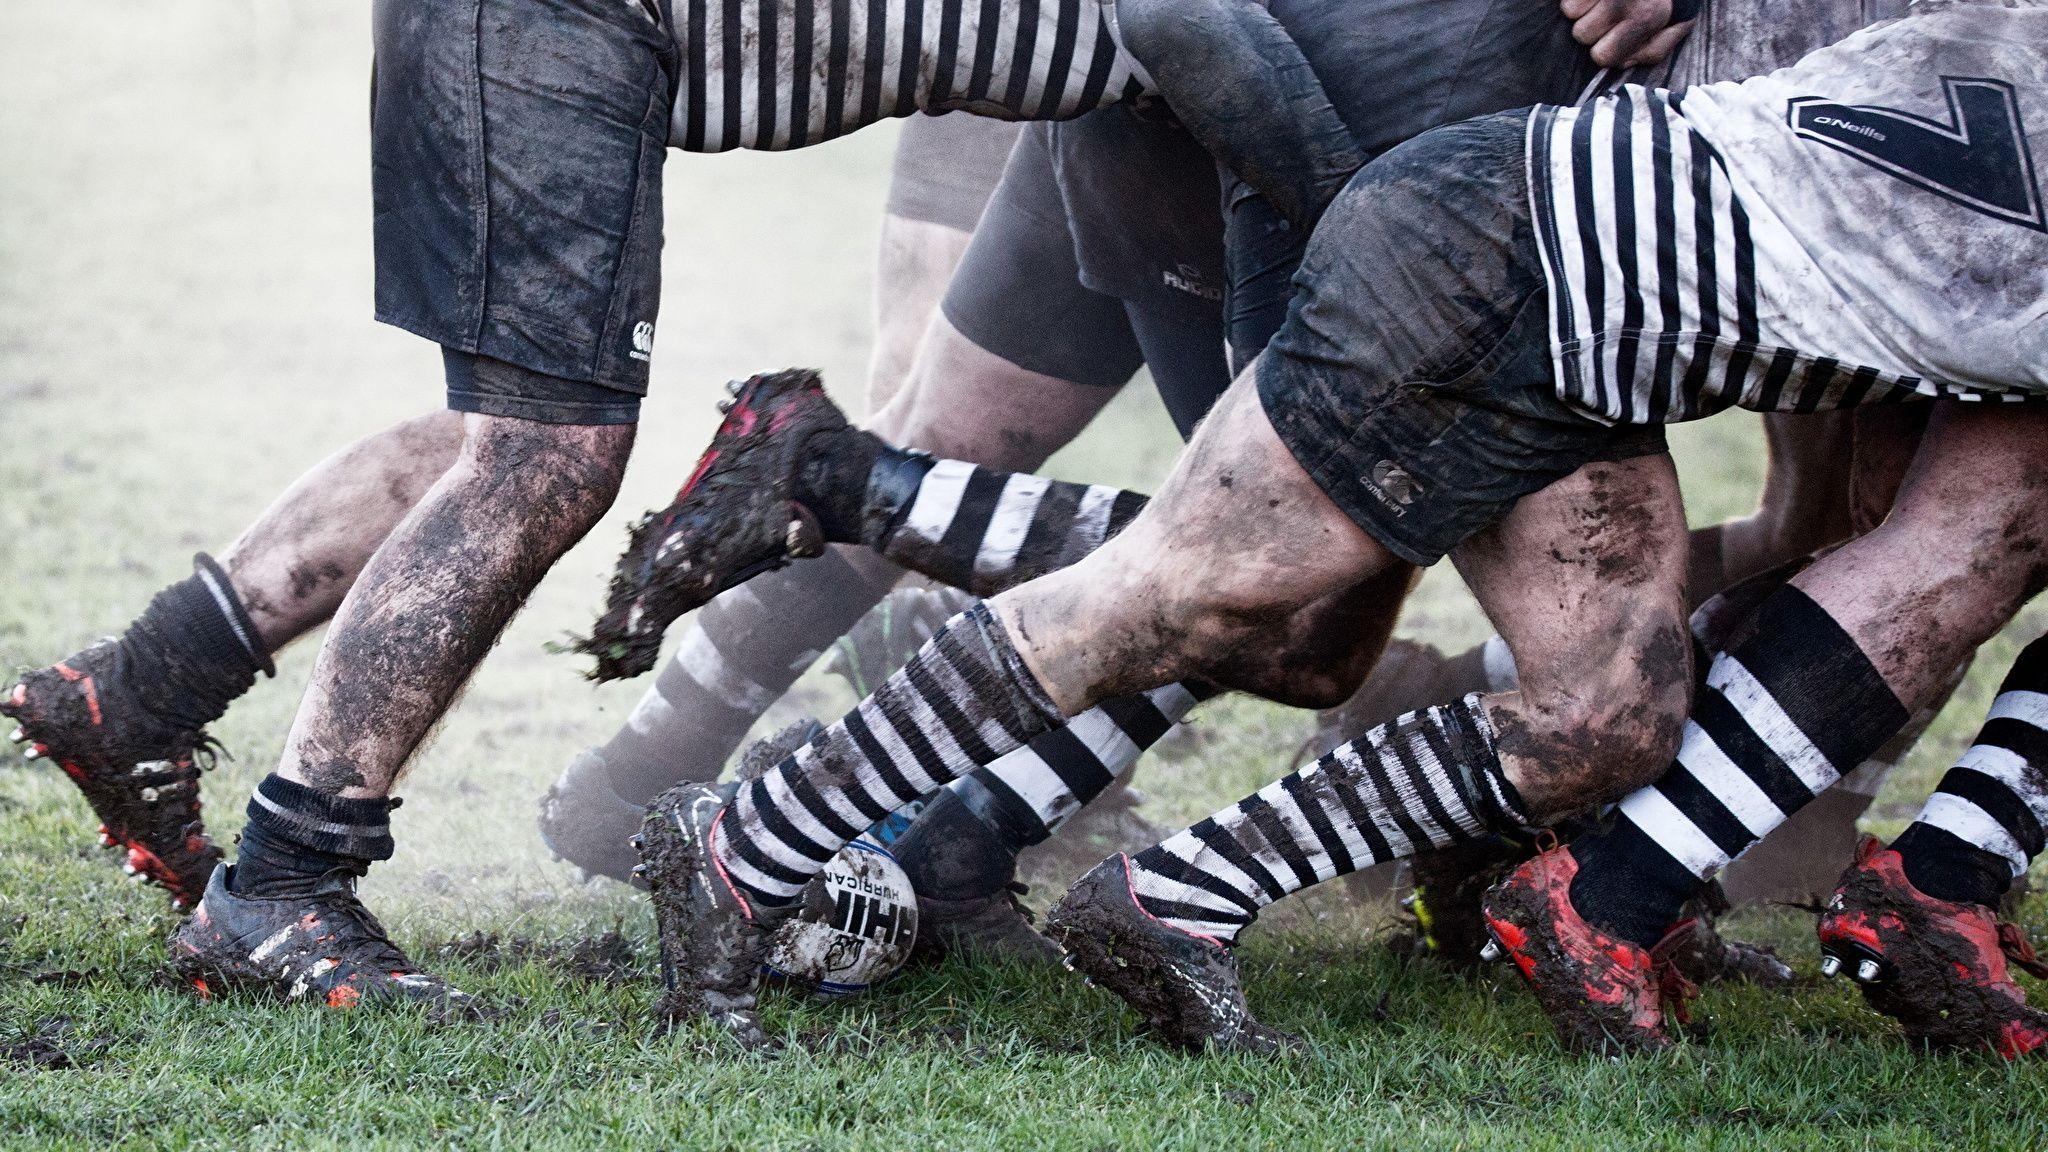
<point>1426,780</point>
<point>964,700</point>
<point>738,655</point>
<point>1026,795</point>
<point>1984,825</point>
<point>1781,715</point>
<point>983,531</point>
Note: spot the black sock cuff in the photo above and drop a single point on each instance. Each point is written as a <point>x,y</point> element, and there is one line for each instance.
<point>893,482</point>
<point>214,579</point>
<point>296,814</point>
<point>2029,672</point>
<point>1820,678</point>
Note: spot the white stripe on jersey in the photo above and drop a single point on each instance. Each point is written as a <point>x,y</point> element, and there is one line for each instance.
<point>1652,261</point>
<point>778,74</point>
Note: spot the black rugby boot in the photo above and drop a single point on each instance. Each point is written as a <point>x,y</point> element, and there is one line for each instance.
<point>323,945</point>
<point>139,773</point>
<point>965,878</point>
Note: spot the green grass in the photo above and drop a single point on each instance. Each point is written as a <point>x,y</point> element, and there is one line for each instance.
<point>184,281</point>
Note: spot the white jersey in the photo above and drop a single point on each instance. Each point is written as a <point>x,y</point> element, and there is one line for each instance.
<point>780,74</point>
<point>1864,225</point>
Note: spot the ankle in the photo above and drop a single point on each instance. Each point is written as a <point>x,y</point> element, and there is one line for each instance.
<point>296,836</point>
<point>834,477</point>
<point>1947,867</point>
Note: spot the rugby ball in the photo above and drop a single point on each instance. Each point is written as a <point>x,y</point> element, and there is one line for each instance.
<point>855,927</point>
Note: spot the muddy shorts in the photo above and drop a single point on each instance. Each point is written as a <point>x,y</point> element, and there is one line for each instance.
<point>1393,69</point>
<point>1102,250</point>
<point>947,167</point>
<point>516,152</point>
<point>1412,378</point>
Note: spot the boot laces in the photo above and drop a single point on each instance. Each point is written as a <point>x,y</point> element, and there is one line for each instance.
<point>2020,951</point>
<point>355,932</point>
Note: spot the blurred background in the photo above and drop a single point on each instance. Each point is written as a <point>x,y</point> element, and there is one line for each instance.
<point>185,326</point>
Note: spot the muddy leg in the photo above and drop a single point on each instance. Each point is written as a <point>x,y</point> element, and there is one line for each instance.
<point>438,592</point>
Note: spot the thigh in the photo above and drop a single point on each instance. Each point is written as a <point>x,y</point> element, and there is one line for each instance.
<point>1585,571</point>
<point>1237,541</point>
<point>964,402</point>
<point>915,261</point>
<point>1018,291</point>
<point>1964,547</point>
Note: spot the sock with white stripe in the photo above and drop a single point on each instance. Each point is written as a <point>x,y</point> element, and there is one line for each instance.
<point>297,835</point>
<point>1984,825</point>
<point>964,700</point>
<point>1782,713</point>
<point>983,531</point>
<point>1426,780</point>
<point>194,650</point>
<point>964,844</point>
<point>738,654</point>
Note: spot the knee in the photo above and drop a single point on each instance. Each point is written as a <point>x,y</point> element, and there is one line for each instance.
<point>569,472</point>
<point>1300,676</point>
<point>1605,728</point>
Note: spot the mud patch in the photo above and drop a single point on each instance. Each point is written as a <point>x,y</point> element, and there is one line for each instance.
<point>607,958</point>
<point>54,1043</point>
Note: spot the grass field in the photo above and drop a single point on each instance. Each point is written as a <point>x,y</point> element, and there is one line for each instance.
<point>184,285</point>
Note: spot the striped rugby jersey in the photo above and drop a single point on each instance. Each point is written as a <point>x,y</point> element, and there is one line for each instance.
<point>775,74</point>
<point>1864,225</point>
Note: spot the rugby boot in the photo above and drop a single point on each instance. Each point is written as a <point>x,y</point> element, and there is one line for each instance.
<point>1603,995</point>
<point>140,774</point>
<point>1449,926</point>
<point>1702,955</point>
<point>753,504</point>
<point>1941,969</point>
<point>713,939</point>
<point>584,822</point>
<point>1185,986</point>
<point>965,878</point>
<point>322,946</point>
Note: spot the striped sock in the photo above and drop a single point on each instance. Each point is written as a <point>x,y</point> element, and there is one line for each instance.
<point>964,700</point>
<point>1426,780</point>
<point>1026,795</point>
<point>1780,716</point>
<point>984,531</point>
<point>738,655</point>
<point>1984,825</point>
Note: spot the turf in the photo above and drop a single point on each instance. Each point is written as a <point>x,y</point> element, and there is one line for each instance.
<point>184,281</point>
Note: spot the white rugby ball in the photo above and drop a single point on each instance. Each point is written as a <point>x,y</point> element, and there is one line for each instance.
<point>856,926</point>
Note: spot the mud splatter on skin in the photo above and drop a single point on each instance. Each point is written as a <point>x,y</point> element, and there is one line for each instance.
<point>1563,769</point>
<point>443,590</point>
<point>307,578</point>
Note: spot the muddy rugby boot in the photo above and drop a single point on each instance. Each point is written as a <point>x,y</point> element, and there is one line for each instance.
<point>713,939</point>
<point>584,822</point>
<point>784,475</point>
<point>323,945</point>
<point>1942,970</point>
<point>140,774</point>
<point>1603,995</point>
<point>1186,986</point>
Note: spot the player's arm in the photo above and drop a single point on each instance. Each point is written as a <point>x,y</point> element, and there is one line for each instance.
<point>1630,33</point>
<point>1241,85</point>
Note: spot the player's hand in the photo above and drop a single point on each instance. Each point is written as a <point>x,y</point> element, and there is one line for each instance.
<point>1625,33</point>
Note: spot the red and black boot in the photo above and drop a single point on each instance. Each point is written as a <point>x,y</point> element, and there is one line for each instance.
<point>785,474</point>
<point>1941,969</point>
<point>139,773</point>
<point>1601,994</point>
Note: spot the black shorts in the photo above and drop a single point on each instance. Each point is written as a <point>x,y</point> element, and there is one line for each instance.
<point>516,153</point>
<point>1412,379</point>
<point>947,167</point>
<point>1101,251</point>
